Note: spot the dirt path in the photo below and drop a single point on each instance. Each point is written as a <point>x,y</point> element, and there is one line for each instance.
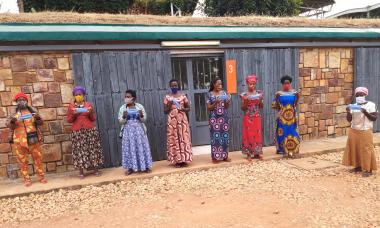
<point>273,195</point>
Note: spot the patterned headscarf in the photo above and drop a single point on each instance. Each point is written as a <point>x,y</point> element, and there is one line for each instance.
<point>361,89</point>
<point>79,89</point>
<point>251,78</point>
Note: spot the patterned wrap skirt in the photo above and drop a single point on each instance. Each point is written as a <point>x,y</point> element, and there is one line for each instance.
<point>87,148</point>
<point>136,154</point>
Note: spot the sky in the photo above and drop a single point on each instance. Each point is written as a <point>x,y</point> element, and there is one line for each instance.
<point>8,6</point>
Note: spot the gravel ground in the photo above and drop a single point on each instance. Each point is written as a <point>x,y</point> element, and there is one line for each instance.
<point>279,179</point>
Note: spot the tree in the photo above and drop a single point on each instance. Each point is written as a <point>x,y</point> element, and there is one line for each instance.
<point>249,7</point>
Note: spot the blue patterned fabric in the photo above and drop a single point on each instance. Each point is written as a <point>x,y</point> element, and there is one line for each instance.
<point>287,138</point>
<point>219,128</point>
<point>136,154</point>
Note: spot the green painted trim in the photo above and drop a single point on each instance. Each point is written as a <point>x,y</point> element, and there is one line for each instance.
<point>81,32</point>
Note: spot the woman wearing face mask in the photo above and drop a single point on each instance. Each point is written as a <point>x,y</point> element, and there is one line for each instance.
<point>217,103</point>
<point>287,139</point>
<point>86,142</point>
<point>136,155</point>
<point>359,151</point>
<point>176,106</point>
<point>26,137</point>
<point>252,102</point>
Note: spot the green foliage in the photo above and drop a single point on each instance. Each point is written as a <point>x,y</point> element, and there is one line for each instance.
<point>90,6</point>
<point>159,7</point>
<point>249,7</point>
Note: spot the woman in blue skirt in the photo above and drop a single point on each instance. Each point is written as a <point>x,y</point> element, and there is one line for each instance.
<point>287,139</point>
<point>136,155</point>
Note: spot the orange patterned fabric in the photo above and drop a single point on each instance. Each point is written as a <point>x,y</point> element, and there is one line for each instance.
<point>22,156</point>
<point>19,133</point>
<point>178,133</point>
<point>21,147</point>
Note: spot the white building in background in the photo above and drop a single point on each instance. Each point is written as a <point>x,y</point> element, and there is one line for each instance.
<point>199,9</point>
<point>9,6</point>
<point>346,8</point>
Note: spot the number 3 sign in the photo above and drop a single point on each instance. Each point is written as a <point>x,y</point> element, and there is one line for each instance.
<point>231,76</point>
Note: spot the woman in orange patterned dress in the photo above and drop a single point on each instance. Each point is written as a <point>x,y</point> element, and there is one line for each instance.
<point>176,106</point>
<point>27,138</point>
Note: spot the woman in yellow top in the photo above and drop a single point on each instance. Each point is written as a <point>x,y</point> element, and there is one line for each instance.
<point>26,137</point>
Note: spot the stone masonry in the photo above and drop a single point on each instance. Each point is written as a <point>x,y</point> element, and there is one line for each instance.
<point>47,80</point>
<point>326,84</point>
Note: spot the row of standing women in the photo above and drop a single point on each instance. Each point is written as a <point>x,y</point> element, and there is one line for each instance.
<point>26,136</point>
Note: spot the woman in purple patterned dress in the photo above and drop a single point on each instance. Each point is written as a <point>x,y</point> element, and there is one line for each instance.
<point>217,103</point>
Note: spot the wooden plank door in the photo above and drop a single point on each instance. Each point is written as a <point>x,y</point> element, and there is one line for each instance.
<point>367,74</point>
<point>107,75</point>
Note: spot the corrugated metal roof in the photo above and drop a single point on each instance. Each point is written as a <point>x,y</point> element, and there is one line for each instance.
<point>75,32</point>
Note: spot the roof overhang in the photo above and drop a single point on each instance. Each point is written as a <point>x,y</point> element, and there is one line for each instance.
<point>75,32</point>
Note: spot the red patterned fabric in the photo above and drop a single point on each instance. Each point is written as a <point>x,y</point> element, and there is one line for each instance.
<point>81,120</point>
<point>252,141</point>
<point>178,133</point>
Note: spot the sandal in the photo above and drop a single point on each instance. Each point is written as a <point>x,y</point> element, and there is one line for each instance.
<point>128,172</point>
<point>98,173</point>
<point>148,171</point>
<point>27,183</point>
<point>355,170</point>
<point>227,160</point>
<point>178,165</point>
<point>184,164</point>
<point>249,159</point>
<point>81,176</point>
<point>367,174</point>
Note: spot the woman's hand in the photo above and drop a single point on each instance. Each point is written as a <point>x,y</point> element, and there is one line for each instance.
<point>36,116</point>
<point>13,119</point>
<point>125,114</point>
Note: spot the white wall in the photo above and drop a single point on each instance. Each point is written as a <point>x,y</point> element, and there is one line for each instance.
<point>343,5</point>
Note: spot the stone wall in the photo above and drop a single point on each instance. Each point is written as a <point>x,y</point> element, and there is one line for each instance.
<point>326,84</point>
<point>47,80</point>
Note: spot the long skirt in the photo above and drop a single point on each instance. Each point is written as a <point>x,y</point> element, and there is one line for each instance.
<point>178,138</point>
<point>87,149</point>
<point>220,139</point>
<point>287,138</point>
<point>252,143</point>
<point>360,151</point>
<point>136,153</point>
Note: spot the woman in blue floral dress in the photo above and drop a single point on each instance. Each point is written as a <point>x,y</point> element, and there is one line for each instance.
<point>287,139</point>
<point>136,154</point>
<point>217,103</point>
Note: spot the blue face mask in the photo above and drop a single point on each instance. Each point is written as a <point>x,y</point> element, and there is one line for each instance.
<point>174,90</point>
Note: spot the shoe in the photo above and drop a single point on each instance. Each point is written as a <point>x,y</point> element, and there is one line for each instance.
<point>148,171</point>
<point>128,172</point>
<point>28,183</point>
<point>367,174</point>
<point>355,170</point>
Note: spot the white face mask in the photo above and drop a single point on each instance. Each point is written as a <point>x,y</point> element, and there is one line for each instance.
<point>360,100</point>
<point>128,100</point>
